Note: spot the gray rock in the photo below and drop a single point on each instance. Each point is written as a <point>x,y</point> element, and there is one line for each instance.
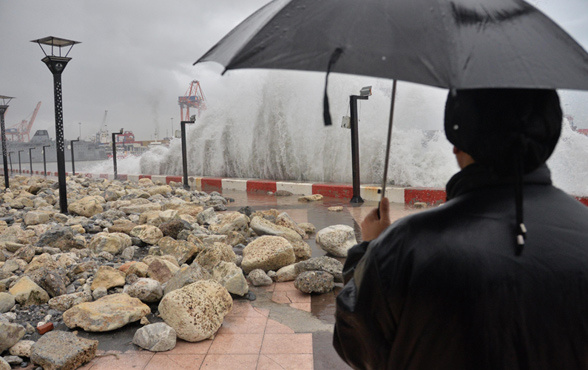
<point>324,263</point>
<point>336,239</point>
<point>207,217</point>
<point>315,282</point>
<point>7,301</point>
<point>147,290</point>
<point>13,360</point>
<point>186,276</point>
<point>258,277</point>
<point>156,337</point>
<point>54,284</point>
<point>10,334</point>
<point>62,350</point>
<point>61,237</point>
<point>231,277</point>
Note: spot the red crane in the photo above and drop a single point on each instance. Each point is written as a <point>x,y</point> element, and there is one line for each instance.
<point>22,129</point>
<point>194,98</point>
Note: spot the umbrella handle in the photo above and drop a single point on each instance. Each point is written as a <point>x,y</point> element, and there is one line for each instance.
<point>388,146</point>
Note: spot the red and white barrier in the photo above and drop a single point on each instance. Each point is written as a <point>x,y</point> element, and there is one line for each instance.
<point>344,191</point>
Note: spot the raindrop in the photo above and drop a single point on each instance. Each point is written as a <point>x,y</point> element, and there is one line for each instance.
<point>456,127</point>
<point>384,58</point>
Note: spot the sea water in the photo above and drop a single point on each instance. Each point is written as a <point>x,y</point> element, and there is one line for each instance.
<point>271,127</point>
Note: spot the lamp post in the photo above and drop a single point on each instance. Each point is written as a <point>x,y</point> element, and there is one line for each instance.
<point>114,135</point>
<point>3,108</point>
<point>363,95</point>
<point>56,64</point>
<point>19,167</point>
<point>45,160</point>
<point>184,156</point>
<point>172,128</point>
<point>80,135</point>
<point>31,160</point>
<point>73,166</point>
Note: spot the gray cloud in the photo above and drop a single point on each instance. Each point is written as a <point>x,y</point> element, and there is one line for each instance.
<point>136,57</point>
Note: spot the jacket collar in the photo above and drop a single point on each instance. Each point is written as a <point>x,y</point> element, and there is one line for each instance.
<point>477,176</point>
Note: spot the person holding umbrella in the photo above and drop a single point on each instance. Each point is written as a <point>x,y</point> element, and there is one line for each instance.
<point>493,279</point>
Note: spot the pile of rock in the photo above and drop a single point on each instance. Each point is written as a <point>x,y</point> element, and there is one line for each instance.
<point>127,250</point>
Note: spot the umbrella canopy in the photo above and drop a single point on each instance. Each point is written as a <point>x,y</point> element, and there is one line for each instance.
<point>454,44</point>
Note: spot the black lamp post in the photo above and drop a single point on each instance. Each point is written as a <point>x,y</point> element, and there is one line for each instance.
<point>73,166</point>
<point>31,159</point>
<point>364,94</point>
<point>45,160</point>
<point>19,167</point>
<point>3,108</point>
<point>184,156</point>
<point>56,64</point>
<point>10,159</point>
<point>114,135</point>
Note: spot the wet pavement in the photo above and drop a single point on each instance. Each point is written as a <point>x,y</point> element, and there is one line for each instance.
<point>282,328</point>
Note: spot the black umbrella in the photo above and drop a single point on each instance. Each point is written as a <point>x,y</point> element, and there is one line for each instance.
<point>455,44</point>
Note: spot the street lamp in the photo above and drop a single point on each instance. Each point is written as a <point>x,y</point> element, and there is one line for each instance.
<point>184,156</point>
<point>56,64</point>
<point>364,94</point>
<point>114,135</point>
<point>19,168</point>
<point>3,108</point>
<point>45,160</point>
<point>73,166</point>
<point>31,159</point>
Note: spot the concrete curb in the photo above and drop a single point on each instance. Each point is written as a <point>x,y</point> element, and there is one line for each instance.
<point>396,194</point>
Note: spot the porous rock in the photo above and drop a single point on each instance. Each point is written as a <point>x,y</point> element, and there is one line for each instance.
<point>267,253</point>
<point>196,311</point>
<point>314,282</point>
<point>336,240</point>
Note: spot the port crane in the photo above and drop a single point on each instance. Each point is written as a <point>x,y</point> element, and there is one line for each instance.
<point>194,98</point>
<point>20,130</point>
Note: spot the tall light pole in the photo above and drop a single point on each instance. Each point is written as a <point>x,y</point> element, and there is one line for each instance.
<point>172,127</point>
<point>45,160</point>
<point>3,107</point>
<point>73,166</point>
<point>364,94</point>
<point>114,135</point>
<point>80,135</point>
<point>19,167</point>
<point>31,159</point>
<point>184,155</point>
<point>56,64</point>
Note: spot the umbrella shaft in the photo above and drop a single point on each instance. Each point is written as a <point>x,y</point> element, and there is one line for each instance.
<point>388,141</point>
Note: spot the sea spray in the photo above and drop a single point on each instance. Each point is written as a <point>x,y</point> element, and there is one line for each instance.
<point>277,133</point>
<point>270,127</point>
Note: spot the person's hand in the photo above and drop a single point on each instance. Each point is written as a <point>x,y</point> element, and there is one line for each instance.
<point>372,225</point>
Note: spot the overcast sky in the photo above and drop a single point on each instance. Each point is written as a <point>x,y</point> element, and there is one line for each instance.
<point>136,58</point>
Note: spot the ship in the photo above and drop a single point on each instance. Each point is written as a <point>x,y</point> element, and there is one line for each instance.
<point>83,150</point>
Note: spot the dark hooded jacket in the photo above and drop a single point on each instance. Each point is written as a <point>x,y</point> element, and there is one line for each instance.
<point>443,289</point>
